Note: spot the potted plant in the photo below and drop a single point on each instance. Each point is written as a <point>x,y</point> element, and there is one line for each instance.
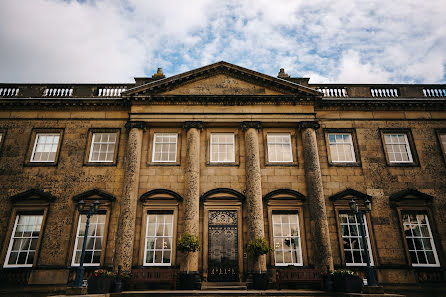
<point>188,243</point>
<point>345,280</point>
<point>100,282</point>
<point>120,280</point>
<point>255,249</point>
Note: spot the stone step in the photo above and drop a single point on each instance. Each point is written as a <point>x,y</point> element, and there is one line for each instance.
<point>224,286</point>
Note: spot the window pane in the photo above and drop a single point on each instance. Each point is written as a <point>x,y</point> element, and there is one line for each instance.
<point>23,242</point>
<point>103,147</point>
<point>159,230</point>
<point>94,239</point>
<point>398,149</point>
<point>164,147</point>
<point>279,147</point>
<point>341,147</point>
<point>286,239</point>
<point>222,147</point>
<point>352,239</point>
<point>45,147</point>
<point>419,240</point>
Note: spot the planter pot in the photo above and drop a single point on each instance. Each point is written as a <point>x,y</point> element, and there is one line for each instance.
<point>190,281</point>
<point>119,285</point>
<point>347,283</point>
<point>260,281</point>
<point>328,283</point>
<point>99,284</point>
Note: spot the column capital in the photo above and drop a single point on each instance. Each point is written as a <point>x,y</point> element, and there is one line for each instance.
<point>253,124</point>
<point>193,124</point>
<point>309,124</point>
<point>135,124</point>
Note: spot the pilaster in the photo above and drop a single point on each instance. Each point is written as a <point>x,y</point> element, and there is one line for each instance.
<point>253,192</point>
<point>191,203</point>
<point>322,256</point>
<point>127,216</point>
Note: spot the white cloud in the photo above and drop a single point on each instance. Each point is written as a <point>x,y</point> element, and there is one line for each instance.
<point>332,41</point>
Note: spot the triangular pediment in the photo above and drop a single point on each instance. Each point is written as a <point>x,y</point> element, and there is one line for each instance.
<point>218,79</point>
<point>222,84</point>
<point>33,196</point>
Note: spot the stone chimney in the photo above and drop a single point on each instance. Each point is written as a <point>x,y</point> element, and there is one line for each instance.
<point>159,74</point>
<point>282,73</point>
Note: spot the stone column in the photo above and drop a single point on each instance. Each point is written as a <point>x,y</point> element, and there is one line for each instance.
<point>322,256</point>
<point>127,216</point>
<point>253,191</point>
<point>191,203</point>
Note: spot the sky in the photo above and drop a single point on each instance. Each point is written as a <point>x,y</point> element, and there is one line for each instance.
<point>342,41</point>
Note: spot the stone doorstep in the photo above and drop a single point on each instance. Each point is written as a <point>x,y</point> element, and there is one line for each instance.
<point>373,295</point>
<point>235,293</point>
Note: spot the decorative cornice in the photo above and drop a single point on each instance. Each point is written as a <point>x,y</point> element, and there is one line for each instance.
<point>252,124</point>
<point>349,193</point>
<point>220,99</point>
<point>135,124</point>
<point>309,124</point>
<point>95,194</point>
<point>166,195</point>
<point>230,194</point>
<point>410,195</point>
<point>193,124</point>
<point>32,195</point>
<point>287,193</point>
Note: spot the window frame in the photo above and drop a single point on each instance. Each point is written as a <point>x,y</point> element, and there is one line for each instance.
<point>432,226</point>
<point>151,143</point>
<point>366,219</point>
<point>211,144</point>
<point>32,145</point>
<point>293,144</point>
<point>11,241</point>
<point>410,143</point>
<point>341,204</point>
<point>236,148</point>
<point>88,150</point>
<point>439,133</point>
<point>103,209</point>
<point>153,212</point>
<point>23,210</point>
<point>2,140</point>
<point>158,205</point>
<point>155,143</point>
<point>354,147</point>
<point>287,205</point>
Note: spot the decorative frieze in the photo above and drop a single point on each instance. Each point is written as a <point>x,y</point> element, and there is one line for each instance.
<point>254,124</point>
<point>193,124</point>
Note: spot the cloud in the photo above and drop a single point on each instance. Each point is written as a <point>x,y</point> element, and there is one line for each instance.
<point>113,41</point>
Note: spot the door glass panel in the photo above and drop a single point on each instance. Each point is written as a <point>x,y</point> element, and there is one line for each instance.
<point>223,246</point>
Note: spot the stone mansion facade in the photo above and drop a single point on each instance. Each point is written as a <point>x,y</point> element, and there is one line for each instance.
<point>229,155</point>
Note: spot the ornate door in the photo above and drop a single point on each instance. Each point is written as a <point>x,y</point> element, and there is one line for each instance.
<point>223,246</point>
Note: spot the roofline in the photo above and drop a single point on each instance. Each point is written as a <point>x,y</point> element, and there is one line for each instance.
<point>229,65</point>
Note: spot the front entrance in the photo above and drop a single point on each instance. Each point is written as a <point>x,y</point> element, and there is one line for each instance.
<point>223,246</point>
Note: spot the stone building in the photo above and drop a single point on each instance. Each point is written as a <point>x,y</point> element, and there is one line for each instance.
<point>227,154</point>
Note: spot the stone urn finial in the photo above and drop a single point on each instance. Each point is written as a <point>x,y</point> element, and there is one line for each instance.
<point>282,73</point>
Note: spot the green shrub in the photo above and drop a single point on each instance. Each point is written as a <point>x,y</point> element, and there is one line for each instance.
<point>342,272</point>
<point>258,247</point>
<point>188,243</point>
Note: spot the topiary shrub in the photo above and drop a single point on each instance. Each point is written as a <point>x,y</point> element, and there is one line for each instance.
<point>258,247</point>
<point>188,243</point>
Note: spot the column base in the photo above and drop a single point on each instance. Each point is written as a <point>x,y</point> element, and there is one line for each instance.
<point>190,281</point>
<point>257,281</point>
<point>373,290</point>
<point>76,291</point>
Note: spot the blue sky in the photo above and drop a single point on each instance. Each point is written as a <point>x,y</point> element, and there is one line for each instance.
<point>329,41</point>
